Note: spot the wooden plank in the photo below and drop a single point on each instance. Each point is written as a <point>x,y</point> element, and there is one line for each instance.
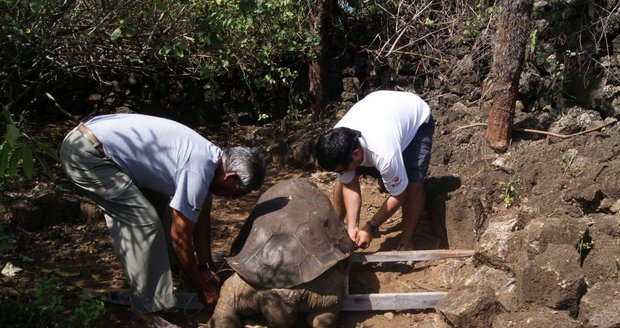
<point>391,301</point>
<point>422,255</point>
<point>184,301</point>
<point>395,256</point>
<point>354,302</point>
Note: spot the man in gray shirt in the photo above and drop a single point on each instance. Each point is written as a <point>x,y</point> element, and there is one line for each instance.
<point>116,158</point>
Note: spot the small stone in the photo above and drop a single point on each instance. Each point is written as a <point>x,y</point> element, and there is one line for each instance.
<point>389,316</point>
<point>615,208</point>
<point>10,270</point>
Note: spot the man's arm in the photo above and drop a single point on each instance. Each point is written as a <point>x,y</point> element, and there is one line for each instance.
<point>387,209</point>
<point>181,237</point>
<point>202,242</point>
<point>202,234</point>
<point>352,198</point>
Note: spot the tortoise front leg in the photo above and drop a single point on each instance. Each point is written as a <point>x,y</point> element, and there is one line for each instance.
<point>278,307</point>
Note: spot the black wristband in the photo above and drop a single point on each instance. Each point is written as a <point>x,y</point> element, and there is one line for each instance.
<point>204,266</point>
<point>374,229</point>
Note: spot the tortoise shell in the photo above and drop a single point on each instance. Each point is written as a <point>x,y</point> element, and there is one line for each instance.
<point>291,236</point>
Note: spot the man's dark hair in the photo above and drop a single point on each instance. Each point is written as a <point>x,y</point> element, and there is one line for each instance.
<point>248,164</point>
<point>335,147</point>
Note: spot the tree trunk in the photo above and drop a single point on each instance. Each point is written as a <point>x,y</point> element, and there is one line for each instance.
<point>320,23</point>
<point>508,56</point>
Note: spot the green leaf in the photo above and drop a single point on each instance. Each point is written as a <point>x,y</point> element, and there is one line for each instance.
<point>161,5</point>
<point>7,116</point>
<point>4,159</point>
<point>12,133</point>
<point>179,52</point>
<point>36,5</point>
<point>14,161</point>
<point>129,31</point>
<point>181,45</point>
<point>116,34</point>
<point>165,50</point>
<point>27,162</point>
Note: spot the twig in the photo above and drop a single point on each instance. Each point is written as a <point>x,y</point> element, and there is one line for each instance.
<point>547,133</point>
<point>57,105</point>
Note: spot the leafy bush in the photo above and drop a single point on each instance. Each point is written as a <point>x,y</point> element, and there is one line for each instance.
<point>90,309</point>
<point>18,150</point>
<point>265,42</point>
<point>47,306</point>
<point>47,298</point>
<point>255,45</point>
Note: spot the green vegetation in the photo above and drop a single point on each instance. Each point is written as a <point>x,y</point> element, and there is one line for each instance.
<point>585,243</point>
<point>48,306</point>
<point>46,298</point>
<point>90,308</point>
<point>19,152</point>
<point>509,194</point>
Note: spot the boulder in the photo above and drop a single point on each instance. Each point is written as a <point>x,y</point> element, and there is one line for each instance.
<point>599,307</point>
<point>553,279</point>
<point>469,307</point>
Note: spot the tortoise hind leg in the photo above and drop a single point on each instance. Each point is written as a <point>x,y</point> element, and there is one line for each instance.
<point>277,308</point>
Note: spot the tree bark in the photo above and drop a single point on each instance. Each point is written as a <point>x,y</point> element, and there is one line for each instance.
<point>508,56</point>
<point>320,23</point>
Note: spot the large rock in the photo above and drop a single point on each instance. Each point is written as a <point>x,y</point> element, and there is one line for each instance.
<point>500,242</point>
<point>601,262</point>
<point>599,307</point>
<point>501,282</point>
<point>469,307</point>
<point>553,279</point>
<point>542,232</point>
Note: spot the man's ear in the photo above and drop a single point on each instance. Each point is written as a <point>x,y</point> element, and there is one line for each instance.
<point>228,175</point>
<point>356,153</point>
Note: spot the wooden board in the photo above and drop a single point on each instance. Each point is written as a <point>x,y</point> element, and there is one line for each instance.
<point>391,301</point>
<point>423,255</point>
<point>353,302</point>
<point>395,256</point>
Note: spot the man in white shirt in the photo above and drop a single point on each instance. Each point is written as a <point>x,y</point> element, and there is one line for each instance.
<point>116,159</point>
<point>390,132</point>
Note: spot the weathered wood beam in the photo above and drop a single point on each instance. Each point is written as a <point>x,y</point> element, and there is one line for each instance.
<point>422,255</point>
<point>391,301</point>
<point>396,256</point>
<point>350,303</point>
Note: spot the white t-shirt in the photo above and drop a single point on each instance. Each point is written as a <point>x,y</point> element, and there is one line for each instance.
<point>161,155</point>
<point>388,121</point>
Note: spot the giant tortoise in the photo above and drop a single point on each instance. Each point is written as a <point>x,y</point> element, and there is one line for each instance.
<point>289,258</point>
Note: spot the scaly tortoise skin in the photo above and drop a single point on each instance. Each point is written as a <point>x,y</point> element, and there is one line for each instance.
<point>289,258</point>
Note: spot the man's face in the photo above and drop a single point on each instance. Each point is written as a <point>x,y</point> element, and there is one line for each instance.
<point>356,159</point>
<point>340,169</point>
<point>230,186</point>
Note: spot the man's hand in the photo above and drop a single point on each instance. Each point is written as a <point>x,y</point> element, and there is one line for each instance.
<point>364,236</point>
<point>353,231</point>
<point>209,294</point>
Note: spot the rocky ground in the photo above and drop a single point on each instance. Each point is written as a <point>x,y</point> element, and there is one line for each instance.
<point>542,218</point>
